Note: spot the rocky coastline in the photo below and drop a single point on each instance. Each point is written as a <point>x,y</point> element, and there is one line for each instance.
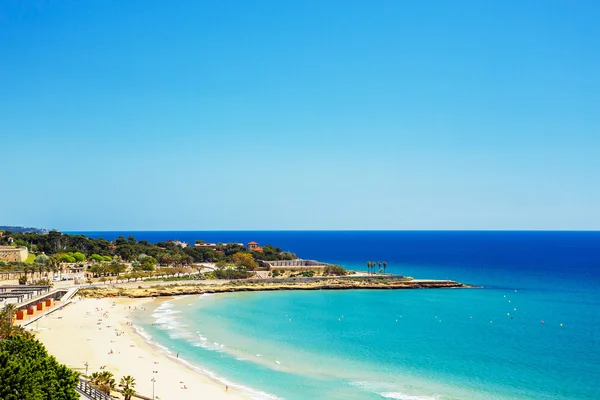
<point>187,288</point>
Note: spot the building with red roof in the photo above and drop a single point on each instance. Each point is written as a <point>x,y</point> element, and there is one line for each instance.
<point>253,246</point>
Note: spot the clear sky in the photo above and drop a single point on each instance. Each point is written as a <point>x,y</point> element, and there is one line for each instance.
<point>148,114</point>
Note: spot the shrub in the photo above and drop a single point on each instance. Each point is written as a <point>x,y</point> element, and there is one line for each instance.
<point>305,274</point>
<point>334,270</point>
<point>230,273</point>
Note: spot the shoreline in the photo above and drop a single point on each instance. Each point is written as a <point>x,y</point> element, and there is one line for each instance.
<point>101,330</point>
<point>101,333</point>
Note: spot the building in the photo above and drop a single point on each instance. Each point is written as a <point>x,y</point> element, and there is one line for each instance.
<point>253,246</point>
<point>11,253</point>
<point>178,243</point>
<point>206,245</point>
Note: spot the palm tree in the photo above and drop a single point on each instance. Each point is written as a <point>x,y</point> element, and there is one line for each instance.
<point>7,317</point>
<point>127,383</point>
<point>55,263</point>
<point>95,378</point>
<point>47,270</point>
<point>51,267</point>
<point>27,269</point>
<point>384,266</point>
<point>368,266</point>
<point>40,269</point>
<point>104,381</point>
<point>19,330</point>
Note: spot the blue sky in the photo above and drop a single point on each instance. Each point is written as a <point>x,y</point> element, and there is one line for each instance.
<point>300,114</point>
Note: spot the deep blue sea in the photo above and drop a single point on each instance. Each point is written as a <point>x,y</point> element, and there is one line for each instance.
<point>531,332</point>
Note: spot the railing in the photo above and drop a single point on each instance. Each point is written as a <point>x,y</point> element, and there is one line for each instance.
<point>90,392</point>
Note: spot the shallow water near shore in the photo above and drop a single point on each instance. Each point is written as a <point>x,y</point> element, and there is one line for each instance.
<point>442,344</point>
<point>531,332</point>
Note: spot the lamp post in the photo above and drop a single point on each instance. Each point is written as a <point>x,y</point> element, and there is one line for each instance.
<point>153,380</point>
<point>86,368</point>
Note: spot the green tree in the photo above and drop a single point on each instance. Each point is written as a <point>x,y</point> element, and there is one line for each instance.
<point>41,259</point>
<point>126,251</point>
<point>384,266</point>
<point>96,258</point>
<point>66,258</point>
<point>78,256</point>
<point>28,372</point>
<point>148,263</point>
<point>244,260</point>
<point>116,268</point>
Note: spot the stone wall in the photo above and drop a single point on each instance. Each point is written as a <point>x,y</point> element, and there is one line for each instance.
<point>9,253</point>
<point>298,263</point>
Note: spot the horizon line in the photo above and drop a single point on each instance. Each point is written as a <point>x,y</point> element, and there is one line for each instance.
<point>328,230</point>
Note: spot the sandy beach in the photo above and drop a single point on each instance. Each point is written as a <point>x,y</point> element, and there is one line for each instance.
<point>98,331</point>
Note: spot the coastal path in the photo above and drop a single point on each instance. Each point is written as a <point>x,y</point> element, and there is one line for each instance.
<point>87,391</point>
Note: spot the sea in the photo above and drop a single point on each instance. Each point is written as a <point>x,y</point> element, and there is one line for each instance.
<point>530,330</point>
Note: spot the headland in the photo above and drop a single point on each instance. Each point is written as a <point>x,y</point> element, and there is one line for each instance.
<point>156,289</point>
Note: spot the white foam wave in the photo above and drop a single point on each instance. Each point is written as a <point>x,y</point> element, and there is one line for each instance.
<point>378,386</point>
<point>404,396</point>
<point>205,344</point>
<point>252,393</point>
<point>140,331</point>
<point>165,317</point>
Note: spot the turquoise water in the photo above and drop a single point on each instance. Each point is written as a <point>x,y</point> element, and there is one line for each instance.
<point>442,344</point>
<point>503,341</point>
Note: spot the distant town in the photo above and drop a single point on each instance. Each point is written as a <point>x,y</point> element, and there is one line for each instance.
<point>39,258</point>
